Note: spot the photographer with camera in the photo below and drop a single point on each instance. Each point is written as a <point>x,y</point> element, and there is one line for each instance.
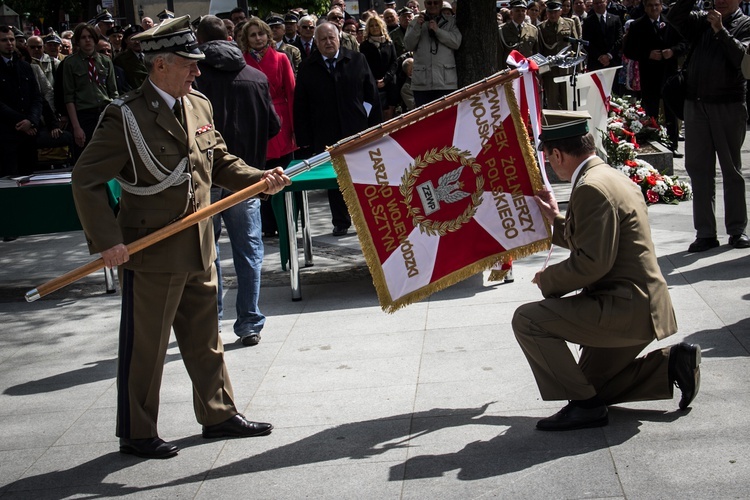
<point>715,115</point>
<point>434,40</point>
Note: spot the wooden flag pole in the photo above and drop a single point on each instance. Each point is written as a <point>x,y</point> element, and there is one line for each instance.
<point>167,231</point>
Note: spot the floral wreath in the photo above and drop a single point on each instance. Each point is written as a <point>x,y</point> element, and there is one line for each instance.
<point>411,175</point>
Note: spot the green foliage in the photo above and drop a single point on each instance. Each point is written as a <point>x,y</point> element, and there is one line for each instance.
<point>49,10</point>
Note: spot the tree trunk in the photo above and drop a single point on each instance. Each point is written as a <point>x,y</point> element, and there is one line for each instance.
<point>477,56</point>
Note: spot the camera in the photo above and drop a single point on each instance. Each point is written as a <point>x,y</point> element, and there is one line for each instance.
<point>707,4</point>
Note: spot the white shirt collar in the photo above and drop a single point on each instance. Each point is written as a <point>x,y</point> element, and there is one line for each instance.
<point>334,57</point>
<point>574,178</point>
<point>6,60</point>
<point>168,99</point>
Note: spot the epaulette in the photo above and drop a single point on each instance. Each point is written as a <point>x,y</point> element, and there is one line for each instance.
<point>197,93</point>
<point>130,96</point>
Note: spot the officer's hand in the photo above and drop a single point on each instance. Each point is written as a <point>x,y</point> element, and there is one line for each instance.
<point>276,180</point>
<point>547,204</point>
<point>115,256</point>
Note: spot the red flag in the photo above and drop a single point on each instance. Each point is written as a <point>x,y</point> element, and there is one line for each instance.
<point>447,194</point>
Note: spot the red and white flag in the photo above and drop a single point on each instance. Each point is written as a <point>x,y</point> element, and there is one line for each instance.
<point>447,192</point>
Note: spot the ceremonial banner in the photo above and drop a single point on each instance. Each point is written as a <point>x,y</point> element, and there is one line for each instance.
<point>444,195</point>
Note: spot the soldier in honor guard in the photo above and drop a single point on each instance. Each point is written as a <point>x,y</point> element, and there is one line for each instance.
<point>172,156</point>
<point>552,39</point>
<point>102,23</point>
<point>131,60</point>
<point>517,34</point>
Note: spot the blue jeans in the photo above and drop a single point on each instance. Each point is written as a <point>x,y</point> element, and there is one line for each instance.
<point>244,229</point>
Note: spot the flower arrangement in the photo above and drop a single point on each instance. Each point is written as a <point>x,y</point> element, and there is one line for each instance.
<point>656,188</point>
<point>628,126</point>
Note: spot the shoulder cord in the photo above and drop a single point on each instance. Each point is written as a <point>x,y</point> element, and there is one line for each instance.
<point>544,42</point>
<point>175,177</point>
<point>502,39</point>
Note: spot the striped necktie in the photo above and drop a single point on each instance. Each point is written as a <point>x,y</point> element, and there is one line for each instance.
<point>93,73</point>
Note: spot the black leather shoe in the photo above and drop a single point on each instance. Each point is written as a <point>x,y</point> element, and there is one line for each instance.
<point>677,154</point>
<point>574,417</point>
<point>340,231</point>
<point>252,339</point>
<point>684,371</point>
<point>148,448</point>
<point>237,426</point>
<point>739,241</point>
<point>703,244</point>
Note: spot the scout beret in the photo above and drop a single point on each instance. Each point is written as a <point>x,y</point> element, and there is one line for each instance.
<point>172,35</point>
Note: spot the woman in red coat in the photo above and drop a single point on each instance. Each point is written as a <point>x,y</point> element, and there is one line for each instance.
<point>256,42</point>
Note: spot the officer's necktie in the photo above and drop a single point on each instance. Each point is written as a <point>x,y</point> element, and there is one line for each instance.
<point>177,109</point>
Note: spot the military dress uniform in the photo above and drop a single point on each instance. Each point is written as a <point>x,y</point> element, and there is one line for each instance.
<point>552,39</point>
<point>524,41</point>
<point>166,173</point>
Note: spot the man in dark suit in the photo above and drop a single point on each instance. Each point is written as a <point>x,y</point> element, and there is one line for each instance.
<point>171,284</point>
<point>656,45</point>
<point>604,33</point>
<point>20,108</point>
<point>336,96</point>
<point>623,304</point>
<point>305,42</point>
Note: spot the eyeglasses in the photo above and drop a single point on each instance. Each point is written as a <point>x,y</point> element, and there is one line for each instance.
<point>307,27</point>
<point>337,18</point>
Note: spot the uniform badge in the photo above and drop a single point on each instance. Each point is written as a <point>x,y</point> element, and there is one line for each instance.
<point>155,104</point>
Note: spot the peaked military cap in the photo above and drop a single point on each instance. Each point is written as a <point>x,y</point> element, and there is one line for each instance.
<point>291,17</point>
<point>104,17</point>
<point>563,124</point>
<point>52,38</point>
<point>18,33</point>
<point>172,35</point>
<point>275,20</point>
<point>518,4</point>
<point>114,29</point>
<point>165,14</point>
<point>131,30</point>
<point>552,5</point>
<point>405,10</point>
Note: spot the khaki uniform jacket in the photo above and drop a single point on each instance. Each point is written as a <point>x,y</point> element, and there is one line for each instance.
<point>612,259</point>
<point>107,157</point>
<point>552,36</point>
<point>527,43</point>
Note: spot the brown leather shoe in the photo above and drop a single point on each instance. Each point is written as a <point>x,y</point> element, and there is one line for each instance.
<point>237,426</point>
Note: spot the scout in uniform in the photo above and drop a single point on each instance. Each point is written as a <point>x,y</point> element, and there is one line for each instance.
<point>159,141</point>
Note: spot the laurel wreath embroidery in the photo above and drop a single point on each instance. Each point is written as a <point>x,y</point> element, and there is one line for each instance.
<point>409,179</point>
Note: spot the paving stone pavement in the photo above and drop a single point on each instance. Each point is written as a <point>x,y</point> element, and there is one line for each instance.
<point>434,401</point>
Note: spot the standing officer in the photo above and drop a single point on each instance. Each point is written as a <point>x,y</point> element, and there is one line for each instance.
<point>173,155</point>
<point>623,304</point>
<point>553,34</point>
<point>517,34</point>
